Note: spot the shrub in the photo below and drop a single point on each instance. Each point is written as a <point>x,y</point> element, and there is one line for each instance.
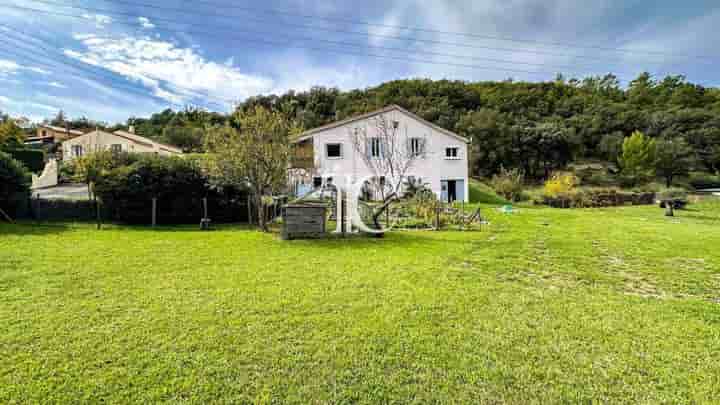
<point>701,181</point>
<point>33,159</point>
<point>509,184</point>
<point>179,186</point>
<point>598,197</point>
<point>561,183</point>
<point>14,183</point>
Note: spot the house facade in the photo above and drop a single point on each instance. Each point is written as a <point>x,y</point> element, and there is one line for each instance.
<point>118,141</point>
<point>331,153</point>
<point>48,135</point>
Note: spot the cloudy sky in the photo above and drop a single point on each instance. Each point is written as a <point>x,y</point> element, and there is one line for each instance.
<point>112,59</point>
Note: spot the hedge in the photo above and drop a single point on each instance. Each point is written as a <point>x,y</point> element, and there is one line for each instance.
<point>598,198</point>
<point>179,186</point>
<point>33,159</point>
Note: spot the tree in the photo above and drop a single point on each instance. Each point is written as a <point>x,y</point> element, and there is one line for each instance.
<point>256,156</point>
<point>11,135</point>
<point>14,179</point>
<point>389,156</point>
<point>674,158</point>
<point>90,169</point>
<point>637,161</point>
<point>60,120</point>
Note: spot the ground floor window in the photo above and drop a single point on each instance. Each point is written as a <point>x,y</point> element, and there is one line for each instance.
<point>77,150</point>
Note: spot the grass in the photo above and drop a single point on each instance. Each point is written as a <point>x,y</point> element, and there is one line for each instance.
<point>480,193</point>
<point>543,306</point>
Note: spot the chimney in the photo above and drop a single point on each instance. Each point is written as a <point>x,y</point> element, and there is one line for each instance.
<point>131,129</point>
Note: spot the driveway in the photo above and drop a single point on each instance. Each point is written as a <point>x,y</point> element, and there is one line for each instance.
<point>63,192</point>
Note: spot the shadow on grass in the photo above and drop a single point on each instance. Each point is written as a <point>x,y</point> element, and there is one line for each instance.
<point>29,228</point>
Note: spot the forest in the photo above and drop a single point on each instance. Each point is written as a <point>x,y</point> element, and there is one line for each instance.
<point>535,127</point>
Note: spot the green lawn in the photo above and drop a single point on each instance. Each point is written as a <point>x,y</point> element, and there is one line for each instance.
<point>611,305</point>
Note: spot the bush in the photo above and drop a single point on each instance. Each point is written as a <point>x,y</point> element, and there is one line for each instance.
<point>595,198</point>
<point>509,184</point>
<point>700,181</point>
<point>561,183</point>
<point>33,159</point>
<point>179,186</point>
<point>14,184</point>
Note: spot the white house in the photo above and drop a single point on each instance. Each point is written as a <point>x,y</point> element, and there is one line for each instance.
<point>118,141</point>
<point>441,163</point>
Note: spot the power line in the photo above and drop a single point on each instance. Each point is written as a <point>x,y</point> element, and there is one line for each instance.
<point>272,43</point>
<point>70,62</point>
<point>422,29</point>
<point>314,27</point>
<point>408,28</point>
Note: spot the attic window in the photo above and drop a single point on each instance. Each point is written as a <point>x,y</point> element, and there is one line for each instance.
<point>396,124</point>
<point>452,153</point>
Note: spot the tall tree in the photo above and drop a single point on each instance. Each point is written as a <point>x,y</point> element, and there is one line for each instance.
<point>674,158</point>
<point>638,157</point>
<point>255,156</point>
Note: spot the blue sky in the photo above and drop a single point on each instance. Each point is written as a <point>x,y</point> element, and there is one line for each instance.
<point>110,60</point>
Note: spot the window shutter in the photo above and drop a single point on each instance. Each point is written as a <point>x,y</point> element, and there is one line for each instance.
<point>423,147</point>
<point>368,148</point>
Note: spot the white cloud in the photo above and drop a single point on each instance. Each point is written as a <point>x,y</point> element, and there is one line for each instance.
<point>145,23</point>
<point>179,75</point>
<point>100,20</point>
<point>57,85</point>
<point>10,67</point>
<point>5,100</point>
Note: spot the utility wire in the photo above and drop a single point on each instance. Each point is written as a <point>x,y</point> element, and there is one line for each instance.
<point>274,43</point>
<point>417,29</point>
<point>70,62</point>
<point>314,27</point>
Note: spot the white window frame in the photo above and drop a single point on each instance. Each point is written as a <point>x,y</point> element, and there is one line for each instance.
<point>450,157</point>
<point>375,146</point>
<point>116,148</point>
<point>416,147</point>
<point>327,155</point>
<point>77,150</point>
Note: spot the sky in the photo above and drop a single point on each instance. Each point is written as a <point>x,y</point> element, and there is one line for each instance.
<point>110,60</point>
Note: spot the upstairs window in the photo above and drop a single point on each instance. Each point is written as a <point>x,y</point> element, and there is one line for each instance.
<point>116,148</point>
<point>396,124</point>
<point>374,147</point>
<point>333,151</point>
<point>452,153</point>
<point>77,150</point>
<point>417,146</point>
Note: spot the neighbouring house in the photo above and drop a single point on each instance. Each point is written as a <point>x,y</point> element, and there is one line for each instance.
<point>48,135</point>
<point>118,141</point>
<point>23,122</point>
<point>328,152</point>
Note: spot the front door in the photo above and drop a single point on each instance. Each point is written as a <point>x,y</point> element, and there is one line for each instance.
<point>452,191</point>
<point>448,191</point>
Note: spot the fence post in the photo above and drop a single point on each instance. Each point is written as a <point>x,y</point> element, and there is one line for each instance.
<point>249,210</point>
<point>97,214</point>
<point>154,212</point>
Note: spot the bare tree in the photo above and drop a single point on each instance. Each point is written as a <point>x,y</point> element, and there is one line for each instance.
<point>389,155</point>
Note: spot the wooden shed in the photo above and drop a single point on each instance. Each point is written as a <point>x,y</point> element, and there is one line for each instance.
<point>303,221</point>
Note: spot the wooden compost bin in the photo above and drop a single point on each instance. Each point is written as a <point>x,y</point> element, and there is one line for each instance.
<point>303,221</point>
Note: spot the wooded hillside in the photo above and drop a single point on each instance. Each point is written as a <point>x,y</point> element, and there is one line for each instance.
<point>538,127</point>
